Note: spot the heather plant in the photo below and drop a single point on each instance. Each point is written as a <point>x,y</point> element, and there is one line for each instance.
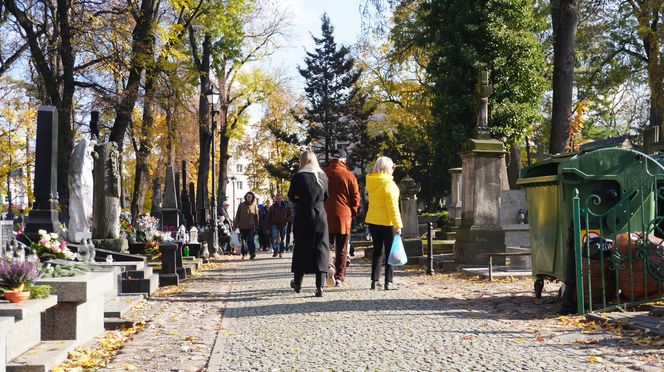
<point>15,276</point>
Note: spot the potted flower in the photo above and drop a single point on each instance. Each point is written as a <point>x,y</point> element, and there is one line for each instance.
<point>152,249</point>
<point>16,278</point>
<point>49,246</point>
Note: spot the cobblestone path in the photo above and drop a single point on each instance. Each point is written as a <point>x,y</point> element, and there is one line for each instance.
<point>268,327</point>
<point>242,316</point>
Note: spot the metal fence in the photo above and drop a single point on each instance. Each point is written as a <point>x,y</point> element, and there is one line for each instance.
<point>619,251</point>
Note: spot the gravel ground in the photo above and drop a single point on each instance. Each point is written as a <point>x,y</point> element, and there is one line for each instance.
<point>439,323</point>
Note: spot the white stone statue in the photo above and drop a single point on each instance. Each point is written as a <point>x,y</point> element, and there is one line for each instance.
<point>81,185</point>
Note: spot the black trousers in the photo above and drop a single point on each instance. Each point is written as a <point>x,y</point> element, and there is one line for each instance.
<point>382,237</point>
<point>320,278</point>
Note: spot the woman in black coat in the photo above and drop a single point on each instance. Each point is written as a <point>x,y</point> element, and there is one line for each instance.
<point>308,191</point>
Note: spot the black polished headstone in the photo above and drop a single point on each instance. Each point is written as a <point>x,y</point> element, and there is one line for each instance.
<point>44,215</point>
<point>192,198</point>
<point>168,274</point>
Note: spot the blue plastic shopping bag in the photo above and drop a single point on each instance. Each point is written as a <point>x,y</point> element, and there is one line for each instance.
<point>397,253</point>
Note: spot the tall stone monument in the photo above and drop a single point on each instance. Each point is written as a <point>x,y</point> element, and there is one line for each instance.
<point>81,190</point>
<point>170,211</point>
<point>106,200</point>
<point>44,215</point>
<point>482,158</point>
<point>185,209</point>
<point>410,233</point>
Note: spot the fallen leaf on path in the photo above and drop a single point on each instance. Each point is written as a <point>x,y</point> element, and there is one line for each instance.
<point>588,341</point>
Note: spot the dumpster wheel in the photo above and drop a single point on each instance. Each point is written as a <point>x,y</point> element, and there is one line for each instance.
<point>539,286</point>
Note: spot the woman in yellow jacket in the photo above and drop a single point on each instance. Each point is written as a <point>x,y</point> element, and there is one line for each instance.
<point>383,218</point>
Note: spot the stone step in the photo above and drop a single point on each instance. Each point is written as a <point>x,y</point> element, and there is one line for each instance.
<point>119,306</point>
<point>112,324</point>
<point>117,256</point>
<point>42,357</point>
<point>441,247</point>
<point>139,274</point>
<point>657,310</point>
<point>446,235</point>
<point>147,285</point>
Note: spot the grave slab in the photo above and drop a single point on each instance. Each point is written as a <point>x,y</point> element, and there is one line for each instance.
<point>79,314</point>
<point>43,357</point>
<point>26,330</point>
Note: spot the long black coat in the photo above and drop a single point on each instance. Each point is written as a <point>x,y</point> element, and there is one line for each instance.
<point>311,251</point>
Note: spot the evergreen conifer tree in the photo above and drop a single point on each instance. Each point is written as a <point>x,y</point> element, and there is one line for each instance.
<point>332,113</point>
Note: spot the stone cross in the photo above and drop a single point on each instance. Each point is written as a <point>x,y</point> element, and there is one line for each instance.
<point>484,90</point>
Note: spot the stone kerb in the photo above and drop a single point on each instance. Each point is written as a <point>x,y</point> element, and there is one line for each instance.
<point>5,324</point>
<point>79,314</point>
<point>25,332</point>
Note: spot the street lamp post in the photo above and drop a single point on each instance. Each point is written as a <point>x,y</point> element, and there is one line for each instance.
<point>215,241</point>
<point>233,182</point>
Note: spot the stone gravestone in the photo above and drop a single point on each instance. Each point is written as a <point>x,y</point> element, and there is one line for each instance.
<point>6,234</point>
<point>81,188</point>
<point>410,234</point>
<point>155,209</point>
<point>480,232</point>
<point>169,208</point>
<point>454,216</point>
<point>44,215</point>
<point>106,200</point>
<point>186,210</point>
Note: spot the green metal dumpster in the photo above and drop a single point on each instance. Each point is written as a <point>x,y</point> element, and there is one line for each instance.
<point>602,177</point>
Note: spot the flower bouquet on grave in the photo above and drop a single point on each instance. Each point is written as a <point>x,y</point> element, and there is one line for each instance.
<point>16,278</point>
<point>49,246</point>
<point>127,230</point>
<point>152,250</point>
<point>147,227</point>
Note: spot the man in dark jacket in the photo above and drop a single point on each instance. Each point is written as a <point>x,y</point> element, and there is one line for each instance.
<point>341,206</point>
<point>280,215</point>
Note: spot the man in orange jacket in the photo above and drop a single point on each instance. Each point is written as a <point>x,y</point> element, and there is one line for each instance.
<point>341,206</point>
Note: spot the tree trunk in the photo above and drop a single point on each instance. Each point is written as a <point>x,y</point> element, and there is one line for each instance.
<point>65,132</point>
<point>650,31</point>
<point>204,135</point>
<point>142,36</point>
<point>145,144</point>
<point>224,157</point>
<point>564,15</point>
<point>514,166</point>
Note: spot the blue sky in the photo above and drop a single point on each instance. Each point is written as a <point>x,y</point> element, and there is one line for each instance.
<point>345,17</point>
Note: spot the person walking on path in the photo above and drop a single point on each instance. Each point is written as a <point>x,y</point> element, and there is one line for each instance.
<point>341,206</point>
<point>227,224</point>
<point>246,219</point>
<point>265,228</point>
<point>279,215</point>
<point>383,218</point>
<point>308,191</point>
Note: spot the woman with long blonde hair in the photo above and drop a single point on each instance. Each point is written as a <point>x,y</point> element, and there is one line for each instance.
<point>308,191</point>
<point>383,218</point>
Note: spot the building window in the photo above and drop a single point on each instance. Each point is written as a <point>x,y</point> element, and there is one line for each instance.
<point>239,184</point>
<point>239,168</point>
